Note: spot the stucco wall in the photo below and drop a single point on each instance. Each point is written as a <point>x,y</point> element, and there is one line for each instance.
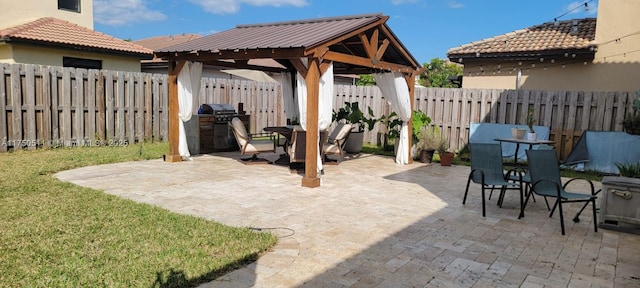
<point>5,54</point>
<point>53,57</point>
<point>570,76</point>
<point>16,12</point>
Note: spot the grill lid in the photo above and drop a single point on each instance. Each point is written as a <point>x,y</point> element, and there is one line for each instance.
<point>216,109</point>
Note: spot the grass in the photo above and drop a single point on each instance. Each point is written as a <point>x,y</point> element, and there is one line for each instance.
<point>56,234</point>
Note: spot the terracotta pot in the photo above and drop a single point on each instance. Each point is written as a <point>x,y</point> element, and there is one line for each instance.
<point>446,159</point>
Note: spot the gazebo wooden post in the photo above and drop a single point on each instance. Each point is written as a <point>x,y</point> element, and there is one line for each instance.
<point>411,81</point>
<point>312,78</point>
<point>174,128</point>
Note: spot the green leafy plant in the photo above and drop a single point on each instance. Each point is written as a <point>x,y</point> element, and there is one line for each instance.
<point>629,169</point>
<point>351,114</point>
<point>393,124</point>
<point>419,121</point>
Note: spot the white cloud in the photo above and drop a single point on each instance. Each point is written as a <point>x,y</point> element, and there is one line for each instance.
<point>455,5</point>
<point>233,6</point>
<point>123,12</point>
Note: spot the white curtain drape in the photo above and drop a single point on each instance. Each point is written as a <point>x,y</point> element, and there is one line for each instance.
<point>288,97</point>
<point>325,105</point>
<point>188,90</point>
<point>395,90</point>
<point>301,96</point>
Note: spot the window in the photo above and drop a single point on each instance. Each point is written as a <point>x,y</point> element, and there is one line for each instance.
<point>81,63</point>
<point>70,5</point>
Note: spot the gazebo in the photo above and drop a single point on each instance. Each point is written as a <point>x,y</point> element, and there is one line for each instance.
<point>358,44</point>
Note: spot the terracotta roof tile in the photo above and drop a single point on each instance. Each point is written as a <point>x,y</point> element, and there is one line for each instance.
<point>158,42</point>
<point>59,32</point>
<point>546,37</point>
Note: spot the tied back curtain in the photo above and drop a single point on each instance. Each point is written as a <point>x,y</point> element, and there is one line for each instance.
<point>325,105</point>
<point>188,88</point>
<point>395,90</point>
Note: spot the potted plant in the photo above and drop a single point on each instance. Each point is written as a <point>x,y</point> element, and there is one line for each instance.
<point>446,157</point>
<point>428,142</point>
<point>530,119</point>
<point>631,122</point>
<point>351,114</point>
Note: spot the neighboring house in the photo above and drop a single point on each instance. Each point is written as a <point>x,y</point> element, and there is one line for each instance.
<point>269,66</point>
<point>46,33</point>
<point>560,55</point>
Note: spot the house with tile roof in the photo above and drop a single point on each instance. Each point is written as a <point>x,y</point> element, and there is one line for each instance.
<point>60,33</point>
<point>589,54</point>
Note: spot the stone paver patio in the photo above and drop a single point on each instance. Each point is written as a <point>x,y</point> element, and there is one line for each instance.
<point>373,223</point>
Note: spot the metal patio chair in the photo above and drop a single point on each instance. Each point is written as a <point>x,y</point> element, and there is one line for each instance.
<point>545,181</point>
<point>487,170</point>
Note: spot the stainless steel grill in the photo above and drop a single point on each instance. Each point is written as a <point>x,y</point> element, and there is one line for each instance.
<point>223,113</point>
<point>215,133</point>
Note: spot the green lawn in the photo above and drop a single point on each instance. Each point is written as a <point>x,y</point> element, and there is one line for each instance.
<point>55,234</point>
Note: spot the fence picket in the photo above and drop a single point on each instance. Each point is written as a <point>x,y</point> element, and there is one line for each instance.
<point>16,112</point>
<point>47,107</point>
<point>4,137</point>
<point>79,97</point>
<point>30,94</point>
<point>90,127</point>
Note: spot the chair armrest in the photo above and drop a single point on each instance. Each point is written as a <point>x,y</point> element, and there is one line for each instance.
<point>593,192</point>
<point>557,185</point>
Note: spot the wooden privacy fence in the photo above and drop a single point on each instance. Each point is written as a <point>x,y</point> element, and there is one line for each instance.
<point>45,106</point>
<point>567,113</point>
<point>42,106</point>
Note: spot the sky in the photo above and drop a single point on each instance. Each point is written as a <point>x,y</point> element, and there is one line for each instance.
<point>427,28</point>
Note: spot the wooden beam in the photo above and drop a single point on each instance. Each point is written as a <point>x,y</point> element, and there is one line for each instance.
<point>365,62</point>
<point>201,56</point>
<point>382,49</point>
<point>324,66</point>
<point>174,128</point>
<point>297,63</point>
<point>312,78</point>
<point>317,52</point>
<point>366,45</point>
